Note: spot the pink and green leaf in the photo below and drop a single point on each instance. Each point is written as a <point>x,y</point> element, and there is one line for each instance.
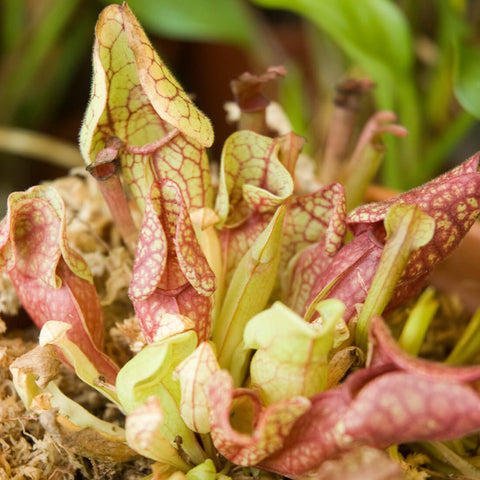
<point>242,430</point>
<point>345,276</point>
<point>193,374</point>
<point>33,237</point>
<point>52,281</point>
<point>135,98</point>
<point>171,275</point>
<point>253,184</point>
<point>452,200</point>
<point>408,228</point>
<point>291,357</point>
<point>379,406</point>
<point>144,434</point>
<point>313,217</point>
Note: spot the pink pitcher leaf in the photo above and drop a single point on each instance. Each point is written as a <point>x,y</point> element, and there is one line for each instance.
<point>451,199</point>
<point>307,270</point>
<point>253,183</point>
<point>52,281</point>
<point>151,254</point>
<point>251,178</point>
<point>378,407</point>
<point>347,277</point>
<point>171,274</point>
<point>33,236</point>
<point>160,318</point>
<point>194,373</point>
<point>241,430</point>
<point>371,463</point>
<point>156,313</point>
<point>401,407</point>
<point>385,350</point>
<point>168,233</point>
<point>75,302</point>
<point>312,440</point>
<point>153,116</point>
<point>313,216</point>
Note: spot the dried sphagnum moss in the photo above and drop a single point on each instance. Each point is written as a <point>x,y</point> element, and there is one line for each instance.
<point>27,451</point>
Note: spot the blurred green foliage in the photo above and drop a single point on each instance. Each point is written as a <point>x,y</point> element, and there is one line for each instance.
<point>423,56</point>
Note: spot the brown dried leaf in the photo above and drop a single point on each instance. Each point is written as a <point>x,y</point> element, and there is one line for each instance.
<point>85,442</point>
<point>41,361</point>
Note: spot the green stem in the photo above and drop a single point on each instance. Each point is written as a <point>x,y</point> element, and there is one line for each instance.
<point>413,333</point>
<point>469,343</point>
<point>361,174</point>
<point>441,452</point>
<point>209,448</point>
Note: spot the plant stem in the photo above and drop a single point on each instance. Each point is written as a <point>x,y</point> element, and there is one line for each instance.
<point>418,321</point>
<point>360,176</point>
<point>469,343</point>
<point>441,452</point>
<point>104,170</point>
<point>341,128</point>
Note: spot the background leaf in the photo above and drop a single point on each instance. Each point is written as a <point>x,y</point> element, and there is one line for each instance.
<point>208,20</point>
<point>467,78</point>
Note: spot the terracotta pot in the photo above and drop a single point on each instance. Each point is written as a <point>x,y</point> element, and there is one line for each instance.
<point>460,272</point>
